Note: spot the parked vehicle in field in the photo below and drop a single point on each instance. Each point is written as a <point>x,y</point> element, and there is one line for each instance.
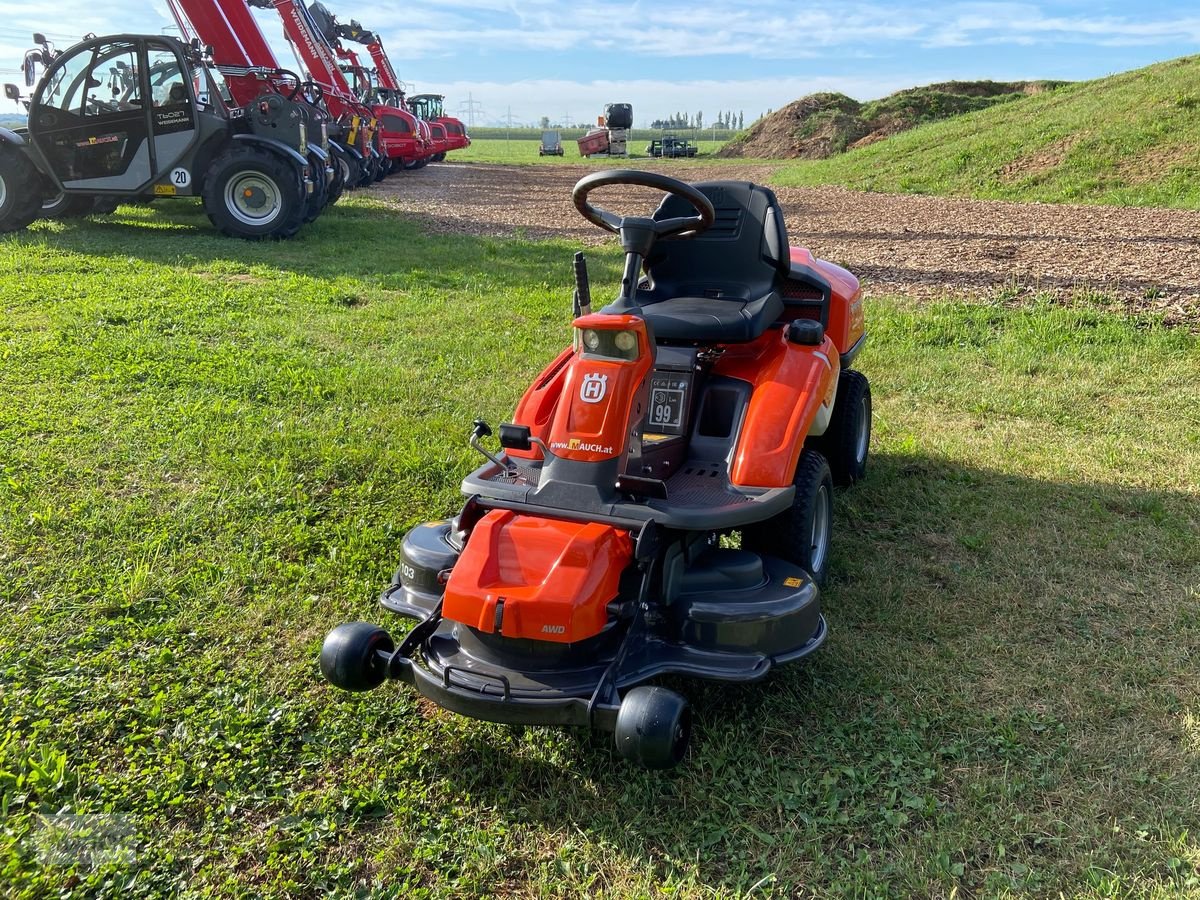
<point>551,144</point>
<point>714,397</point>
<point>138,117</point>
<point>670,146</point>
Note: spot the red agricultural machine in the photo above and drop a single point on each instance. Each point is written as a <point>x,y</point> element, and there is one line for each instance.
<point>249,68</point>
<point>399,131</point>
<point>132,117</point>
<point>428,107</point>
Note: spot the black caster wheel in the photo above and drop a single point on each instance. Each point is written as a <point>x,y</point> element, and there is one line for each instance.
<point>349,659</point>
<point>653,727</point>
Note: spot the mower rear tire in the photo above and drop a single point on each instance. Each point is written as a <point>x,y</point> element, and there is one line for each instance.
<point>847,441</point>
<point>653,727</point>
<point>254,194</point>
<point>20,190</point>
<point>349,657</point>
<point>801,535</point>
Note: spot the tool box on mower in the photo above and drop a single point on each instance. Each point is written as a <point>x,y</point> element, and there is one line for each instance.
<point>713,398</point>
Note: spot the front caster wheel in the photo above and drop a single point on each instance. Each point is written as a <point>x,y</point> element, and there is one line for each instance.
<point>653,727</point>
<point>349,659</point>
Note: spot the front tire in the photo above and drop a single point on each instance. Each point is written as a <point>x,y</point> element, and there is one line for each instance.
<point>801,535</point>
<point>350,658</point>
<point>20,190</point>
<point>654,726</point>
<point>254,194</point>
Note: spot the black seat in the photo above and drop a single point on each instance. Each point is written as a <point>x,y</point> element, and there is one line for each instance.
<point>722,286</point>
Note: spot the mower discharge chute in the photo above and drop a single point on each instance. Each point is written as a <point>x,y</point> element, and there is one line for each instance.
<point>713,397</point>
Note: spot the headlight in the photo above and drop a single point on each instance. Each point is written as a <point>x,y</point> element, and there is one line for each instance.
<point>591,340</point>
<point>626,341</point>
<point>303,137</point>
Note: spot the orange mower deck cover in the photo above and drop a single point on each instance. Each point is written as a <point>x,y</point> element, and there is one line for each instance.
<point>554,578</point>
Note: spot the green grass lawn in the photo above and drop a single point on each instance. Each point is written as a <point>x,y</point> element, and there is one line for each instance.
<point>525,151</point>
<point>209,451</point>
<point>1129,139</point>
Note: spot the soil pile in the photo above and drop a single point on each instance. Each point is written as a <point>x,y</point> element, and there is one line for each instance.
<point>823,125</point>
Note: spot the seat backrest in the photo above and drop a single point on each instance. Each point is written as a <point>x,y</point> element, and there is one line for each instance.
<point>743,256</point>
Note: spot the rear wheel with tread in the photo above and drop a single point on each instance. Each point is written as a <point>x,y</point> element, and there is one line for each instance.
<point>20,190</point>
<point>847,441</point>
<point>67,206</point>
<point>254,194</point>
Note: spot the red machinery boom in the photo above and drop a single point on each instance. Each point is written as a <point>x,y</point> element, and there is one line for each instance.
<point>400,136</point>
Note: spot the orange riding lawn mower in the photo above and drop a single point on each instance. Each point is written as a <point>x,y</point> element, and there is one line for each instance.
<point>595,553</point>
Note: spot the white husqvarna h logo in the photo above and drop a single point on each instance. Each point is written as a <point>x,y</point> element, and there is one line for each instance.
<point>594,387</point>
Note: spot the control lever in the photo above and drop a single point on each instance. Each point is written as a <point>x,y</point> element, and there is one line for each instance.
<point>481,430</point>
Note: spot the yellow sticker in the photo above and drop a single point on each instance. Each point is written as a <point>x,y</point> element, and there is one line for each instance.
<point>164,190</point>
<point>792,582</point>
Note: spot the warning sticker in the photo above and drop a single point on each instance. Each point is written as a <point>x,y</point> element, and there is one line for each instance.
<point>164,190</point>
<point>792,582</point>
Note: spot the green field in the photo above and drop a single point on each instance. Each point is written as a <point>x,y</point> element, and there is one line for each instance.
<point>498,150</point>
<point>209,451</point>
<point>1129,139</point>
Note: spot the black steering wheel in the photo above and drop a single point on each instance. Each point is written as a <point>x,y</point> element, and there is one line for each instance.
<point>690,226</point>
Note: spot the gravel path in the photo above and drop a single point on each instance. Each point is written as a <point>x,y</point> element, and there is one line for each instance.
<point>925,247</point>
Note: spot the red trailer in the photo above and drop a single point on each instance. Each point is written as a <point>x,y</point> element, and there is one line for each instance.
<point>593,143</point>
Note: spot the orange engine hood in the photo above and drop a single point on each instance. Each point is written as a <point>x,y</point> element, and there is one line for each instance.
<point>530,577</point>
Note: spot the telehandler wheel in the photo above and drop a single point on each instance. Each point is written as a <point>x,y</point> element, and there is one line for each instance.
<point>105,206</point>
<point>383,169</point>
<point>367,175</point>
<point>653,727</point>
<point>67,206</point>
<point>847,441</point>
<point>315,203</point>
<point>348,657</point>
<point>254,194</point>
<point>20,190</point>
<point>337,184</point>
<point>349,168</point>
<point>802,534</point>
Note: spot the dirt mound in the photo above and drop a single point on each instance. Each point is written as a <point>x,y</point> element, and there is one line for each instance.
<point>823,125</point>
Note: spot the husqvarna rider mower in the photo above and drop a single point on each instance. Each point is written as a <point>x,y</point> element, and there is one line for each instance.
<point>713,397</point>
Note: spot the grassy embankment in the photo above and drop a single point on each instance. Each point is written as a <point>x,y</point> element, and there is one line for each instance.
<point>1131,139</point>
<point>208,453</point>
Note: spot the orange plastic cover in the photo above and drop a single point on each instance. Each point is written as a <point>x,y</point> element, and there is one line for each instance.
<point>555,578</point>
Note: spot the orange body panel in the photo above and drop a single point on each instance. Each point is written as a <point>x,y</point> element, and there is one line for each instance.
<point>555,578</point>
<point>791,384</point>
<point>598,404</point>
<point>536,409</point>
<point>846,321</point>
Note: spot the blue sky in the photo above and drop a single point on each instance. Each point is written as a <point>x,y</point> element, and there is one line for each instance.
<point>560,58</point>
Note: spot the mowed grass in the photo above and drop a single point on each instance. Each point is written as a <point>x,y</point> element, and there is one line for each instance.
<point>525,151</point>
<point>209,451</point>
<point>1129,139</point>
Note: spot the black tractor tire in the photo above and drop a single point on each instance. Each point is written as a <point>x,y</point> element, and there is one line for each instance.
<point>315,203</point>
<point>654,726</point>
<point>349,659</point>
<point>106,206</point>
<point>803,534</point>
<point>847,441</point>
<point>351,169</point>
<point>249,169</point>
<point>337,184</point>
<point>67,206</point>
<point>20,190</point>
<point>369,168</point>
<point>383,169</point>
<point>439,157</point>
